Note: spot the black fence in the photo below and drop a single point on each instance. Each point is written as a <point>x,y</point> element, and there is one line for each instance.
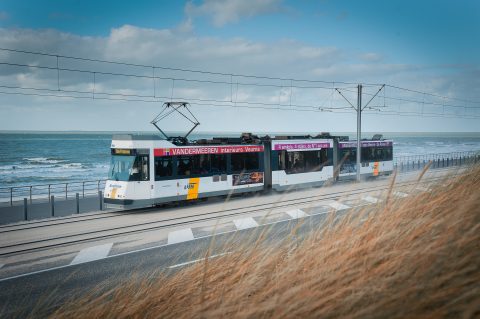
<point>40,193</point>
<point>24,210</point>
<point>11,196</point>
<point>439,160</point>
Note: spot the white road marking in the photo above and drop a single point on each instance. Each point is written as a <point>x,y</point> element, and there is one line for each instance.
<point>371,199</point>
<point>245,223</point>
<point>338,205</point>
<point>297,213</point>
<point>1,265</point>
<point>179,236</point>
<point>400,194</point>
<point>92,253</point>
<point>197,260</point>
<point>121,254</point>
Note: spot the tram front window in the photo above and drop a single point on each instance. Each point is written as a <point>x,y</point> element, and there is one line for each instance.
<point>129,168</point>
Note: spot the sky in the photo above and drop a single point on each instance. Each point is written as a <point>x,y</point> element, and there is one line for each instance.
<point>426,46</point>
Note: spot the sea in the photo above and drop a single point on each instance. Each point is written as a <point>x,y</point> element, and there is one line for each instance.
<point>37,158</point>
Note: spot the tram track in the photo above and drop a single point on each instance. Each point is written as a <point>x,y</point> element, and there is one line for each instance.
<point>90,217</point>
<point>72,239</point>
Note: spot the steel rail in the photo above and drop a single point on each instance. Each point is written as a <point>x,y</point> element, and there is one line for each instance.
<point>205,217</point>
<point>108,214</point>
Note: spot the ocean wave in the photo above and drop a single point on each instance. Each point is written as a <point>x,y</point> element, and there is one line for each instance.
<point>52,168</point>
<point>44,160</point>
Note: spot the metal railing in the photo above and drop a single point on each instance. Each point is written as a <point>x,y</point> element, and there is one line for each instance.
<point>44,192</point>
<point>438,160</point>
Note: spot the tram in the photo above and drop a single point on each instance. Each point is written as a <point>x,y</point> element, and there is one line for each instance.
<point>376,158</point>
<point>149,170</point>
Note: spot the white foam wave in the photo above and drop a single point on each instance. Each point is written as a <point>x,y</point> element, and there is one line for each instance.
<point>44,160</point>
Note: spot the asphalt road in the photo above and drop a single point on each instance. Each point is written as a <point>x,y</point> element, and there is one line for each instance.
<point>40,293</point>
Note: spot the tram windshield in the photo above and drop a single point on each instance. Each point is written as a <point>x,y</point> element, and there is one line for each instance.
<point>129,168</point>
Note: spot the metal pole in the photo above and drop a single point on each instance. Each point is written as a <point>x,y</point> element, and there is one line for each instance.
<point>359,130</point>
<point>25,211</point>
<point>100,197</point>
<point>52,203</point>
<point>77,199</point>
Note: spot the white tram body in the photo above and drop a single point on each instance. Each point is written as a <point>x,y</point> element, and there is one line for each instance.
<point>179,172</point>
<point>148,170</point>
<point>301,163</point>
<point>376,158</point>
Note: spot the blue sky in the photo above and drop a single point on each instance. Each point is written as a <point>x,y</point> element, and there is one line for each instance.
<point>424,27</point>
<point>425,45</point>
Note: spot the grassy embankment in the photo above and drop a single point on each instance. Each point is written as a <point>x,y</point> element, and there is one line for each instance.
<point>412,257</point>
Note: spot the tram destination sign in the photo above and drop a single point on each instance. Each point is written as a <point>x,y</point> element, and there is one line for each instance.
<point>123,151</point>
<point>175,151</point>
<point>300,146</point>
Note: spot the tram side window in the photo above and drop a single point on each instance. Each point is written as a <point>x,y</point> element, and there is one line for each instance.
<point>281,160</point>
<point>139,170</point>
<point>387,154</point>
<point>295,162</point>
<point>368,154</point>
<point>373,154</point>
<point>163,167</point>
<point>348,156</point>
<point>244,162</point>
<point>200,164</point>
<point>218,164</point>
<point>193,165</point>
<point>184,165</point>
<point>313,161</point>
<point>302,162</point>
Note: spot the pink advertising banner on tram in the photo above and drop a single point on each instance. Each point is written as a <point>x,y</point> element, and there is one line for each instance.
<point>300,146</point>
<point>365,144</point>
<point>199,150</point>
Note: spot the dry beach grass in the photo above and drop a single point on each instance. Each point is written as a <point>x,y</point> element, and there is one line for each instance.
<point>403,258</point>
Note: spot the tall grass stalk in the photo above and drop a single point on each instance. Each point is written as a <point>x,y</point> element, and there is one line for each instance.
<point>401,258</point>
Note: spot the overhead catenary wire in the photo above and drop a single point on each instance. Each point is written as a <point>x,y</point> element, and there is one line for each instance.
<point>342,110</point>
<point>196,102</point>
<point>431,94</point>
<point>423,102</point>
<point>172,69</point>
<point>126,97</point>
<point>156,77</point>
<point>235,102</point>
<point>57,56</point>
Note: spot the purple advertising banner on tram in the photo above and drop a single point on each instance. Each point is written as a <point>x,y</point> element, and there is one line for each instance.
<point>365,144</point>
<point>300,146</point>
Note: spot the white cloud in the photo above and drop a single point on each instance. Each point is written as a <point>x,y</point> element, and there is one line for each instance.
<point>371,57</point>
<point>229,11</point>
<point>186,25</point>
<point>362,70</point>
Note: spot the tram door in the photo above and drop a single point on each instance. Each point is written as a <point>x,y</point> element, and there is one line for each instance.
<point>140,176</point>
<point>152,173</point>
